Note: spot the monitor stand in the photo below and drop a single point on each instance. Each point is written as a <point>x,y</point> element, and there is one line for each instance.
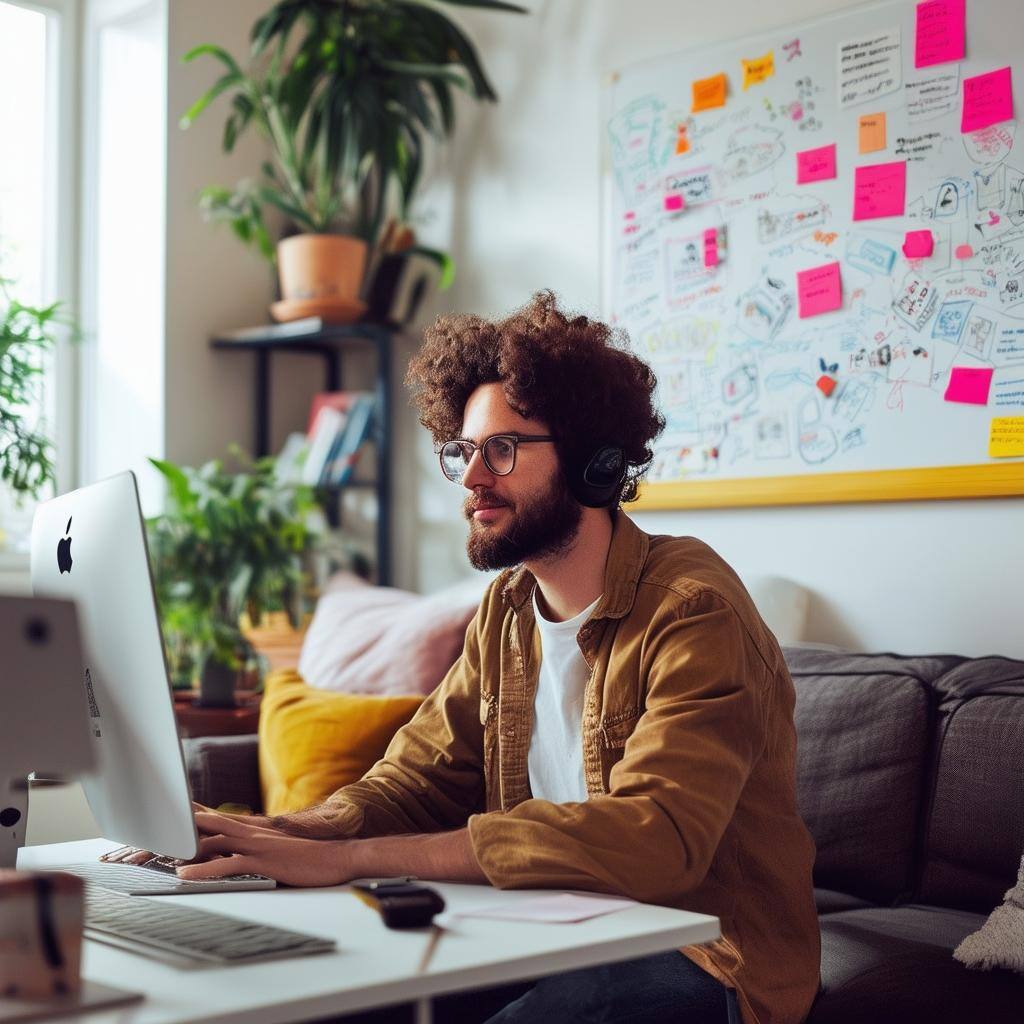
<point>13,816</point>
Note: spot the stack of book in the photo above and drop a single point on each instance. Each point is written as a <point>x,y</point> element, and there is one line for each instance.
<point>326,455</point>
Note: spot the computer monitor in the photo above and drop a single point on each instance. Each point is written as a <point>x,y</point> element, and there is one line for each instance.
<point>43,722</point>
<point>89,546</point>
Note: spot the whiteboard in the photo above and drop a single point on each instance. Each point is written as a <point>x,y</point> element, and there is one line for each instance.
<point>739,370</point>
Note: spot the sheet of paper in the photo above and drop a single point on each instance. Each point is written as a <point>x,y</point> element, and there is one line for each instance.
<point>819,290</point>
<point>933,94</point>
<point>869,67</point>
<point>816,164</point>
<point>871,133</point>
<point>674,202</point>
<point>711,247</point>
<point>1006,437</point>
<point>918,245</point>
<point>988,99</point>
<point>709,93</point>
<point>968,385</point>
<point>941,35</point>
<point>757,70</point>
<point>556,908</point>
<point>880,190</point>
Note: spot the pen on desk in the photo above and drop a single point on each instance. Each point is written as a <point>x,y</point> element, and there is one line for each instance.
<point>435,938</point>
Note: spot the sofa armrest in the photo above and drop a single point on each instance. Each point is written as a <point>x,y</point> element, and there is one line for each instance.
<point>223,769</point>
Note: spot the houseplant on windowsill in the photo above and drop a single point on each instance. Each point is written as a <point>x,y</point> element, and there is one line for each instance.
<point>227,544</point>
<point>27,335</point>
<point>344,93</point>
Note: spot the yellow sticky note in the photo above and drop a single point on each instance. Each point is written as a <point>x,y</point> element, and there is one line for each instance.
<point>1006,437</point>
<point>872,132</point>
<point>758,69</point>
<point>709,93</point>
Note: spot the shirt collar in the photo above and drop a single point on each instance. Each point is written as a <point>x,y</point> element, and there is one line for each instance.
<point>626,556</point>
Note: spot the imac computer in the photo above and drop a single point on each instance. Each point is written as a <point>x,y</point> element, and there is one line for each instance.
<point>89,546</point>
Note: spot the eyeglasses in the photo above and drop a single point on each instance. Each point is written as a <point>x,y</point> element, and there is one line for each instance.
<point>498,451</point>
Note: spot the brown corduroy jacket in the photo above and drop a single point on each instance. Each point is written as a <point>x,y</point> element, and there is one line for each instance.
<point>689,757</point>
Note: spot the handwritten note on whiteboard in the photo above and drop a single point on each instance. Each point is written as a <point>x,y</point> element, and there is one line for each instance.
<point>880,190</point>
<point>941,36</point>
<point>988,99</point>
<point>869,67</point>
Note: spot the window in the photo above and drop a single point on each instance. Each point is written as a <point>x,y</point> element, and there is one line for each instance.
<point>36,198</point>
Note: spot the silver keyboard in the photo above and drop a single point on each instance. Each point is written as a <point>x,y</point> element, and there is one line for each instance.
<point>170,931</point>
<point>158,878</point>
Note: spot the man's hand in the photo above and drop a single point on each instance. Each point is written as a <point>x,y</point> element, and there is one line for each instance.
<point>133,855</point>
<point>232,845</point>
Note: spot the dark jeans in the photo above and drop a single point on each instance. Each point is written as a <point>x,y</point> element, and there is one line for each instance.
<point>666,987</point>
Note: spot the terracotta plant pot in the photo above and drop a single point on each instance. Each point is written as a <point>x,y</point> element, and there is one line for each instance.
<point>321,275</point>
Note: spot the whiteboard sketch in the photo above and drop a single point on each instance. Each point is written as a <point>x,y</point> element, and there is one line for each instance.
<point>748,387</point>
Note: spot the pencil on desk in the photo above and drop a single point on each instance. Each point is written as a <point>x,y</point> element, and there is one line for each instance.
<point>435,938</point>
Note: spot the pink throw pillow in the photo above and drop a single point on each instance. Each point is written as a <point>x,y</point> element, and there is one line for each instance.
<point>381,640</point>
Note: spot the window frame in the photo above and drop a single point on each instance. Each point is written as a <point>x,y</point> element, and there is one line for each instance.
<point>60,271</point>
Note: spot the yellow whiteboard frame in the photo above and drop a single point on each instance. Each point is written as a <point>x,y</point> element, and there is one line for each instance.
<point>981,481</point>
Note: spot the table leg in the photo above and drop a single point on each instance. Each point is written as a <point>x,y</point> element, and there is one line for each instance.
<point>424,1011</point>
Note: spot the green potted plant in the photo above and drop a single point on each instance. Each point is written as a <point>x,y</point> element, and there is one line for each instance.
<point>227,543</point>
<point>27,333</point>
<point>344,93</point>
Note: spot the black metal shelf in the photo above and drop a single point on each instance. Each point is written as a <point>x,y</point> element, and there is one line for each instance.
<point>329,342</point>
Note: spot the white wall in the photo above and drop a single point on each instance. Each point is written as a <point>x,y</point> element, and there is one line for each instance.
<point>521,185</point>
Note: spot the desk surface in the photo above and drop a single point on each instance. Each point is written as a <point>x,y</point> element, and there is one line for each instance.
<point>372,966</point>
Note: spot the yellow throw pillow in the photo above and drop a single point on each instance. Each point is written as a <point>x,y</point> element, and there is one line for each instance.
<point>312,742</point>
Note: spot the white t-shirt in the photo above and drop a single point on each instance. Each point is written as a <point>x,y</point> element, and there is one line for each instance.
<point>555,758</point>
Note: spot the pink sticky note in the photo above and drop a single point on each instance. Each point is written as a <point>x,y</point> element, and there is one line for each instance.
<point>880,190</point>
<point>988,99</point>
<point>969,385</point>
<point>940,32</point>
<point>674,202</point>
<point>711,247</point>
<point>918,245</point>
<point>819,290</point>
<point>816,164</point>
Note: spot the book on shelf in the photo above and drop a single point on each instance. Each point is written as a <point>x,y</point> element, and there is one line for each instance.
<point>330,423</point>
<point>345,453</point>
<point>340,400</point>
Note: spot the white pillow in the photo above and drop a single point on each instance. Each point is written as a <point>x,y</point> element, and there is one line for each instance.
<point>999,942</point>
<point>783,606</point>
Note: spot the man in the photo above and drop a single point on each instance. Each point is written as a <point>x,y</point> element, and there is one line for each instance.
<point>620,719</point>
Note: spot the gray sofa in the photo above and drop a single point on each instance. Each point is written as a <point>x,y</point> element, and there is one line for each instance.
<point>910,777</point>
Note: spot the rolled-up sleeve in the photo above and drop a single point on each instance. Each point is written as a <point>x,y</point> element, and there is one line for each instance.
<point>654,834</point>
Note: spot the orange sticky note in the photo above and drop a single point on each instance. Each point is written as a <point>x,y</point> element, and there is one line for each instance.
<point>682,141</point>
<point>709,93</point>
<point>872,132</point>
<point>758,69</point>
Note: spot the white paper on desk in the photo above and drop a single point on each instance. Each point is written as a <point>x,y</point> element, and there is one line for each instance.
<point>558,908</point>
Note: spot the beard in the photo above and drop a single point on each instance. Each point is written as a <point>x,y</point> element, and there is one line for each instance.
<point>534,528</point>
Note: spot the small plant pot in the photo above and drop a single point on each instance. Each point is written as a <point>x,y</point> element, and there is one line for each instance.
<point>321,275</point>
<point>217,685</point>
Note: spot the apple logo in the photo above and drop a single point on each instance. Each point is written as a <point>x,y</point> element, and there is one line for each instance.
<point>64,551</point>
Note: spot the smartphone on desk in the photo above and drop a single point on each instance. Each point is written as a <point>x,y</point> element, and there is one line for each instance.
<point>401,902</point>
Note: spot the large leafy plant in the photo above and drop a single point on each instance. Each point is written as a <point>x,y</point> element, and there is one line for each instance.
<point>227,543</point>
<point>345,92</point>
<point>26,334</point>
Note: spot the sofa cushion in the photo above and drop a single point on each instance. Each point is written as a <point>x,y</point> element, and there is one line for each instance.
<point>828,901</point>
<point>366,639</point>
<point>312,743</point>
<point>863,724</point>
<point>975,828</point>
<point>896,964</point>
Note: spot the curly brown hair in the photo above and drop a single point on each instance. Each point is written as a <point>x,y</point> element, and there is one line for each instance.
<point>573,373</point>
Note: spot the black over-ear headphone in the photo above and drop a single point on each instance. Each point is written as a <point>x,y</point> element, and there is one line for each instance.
<point>594,483</point>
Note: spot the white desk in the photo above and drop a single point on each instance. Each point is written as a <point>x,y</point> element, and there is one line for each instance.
<point>373,965</point>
